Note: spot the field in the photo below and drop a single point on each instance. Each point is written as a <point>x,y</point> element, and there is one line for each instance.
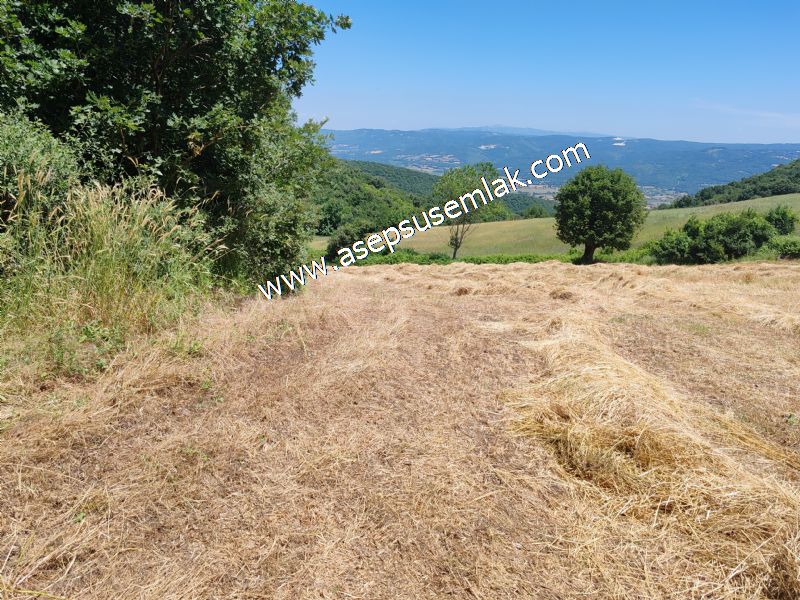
<point>466,431</point>
<point>537,236</point>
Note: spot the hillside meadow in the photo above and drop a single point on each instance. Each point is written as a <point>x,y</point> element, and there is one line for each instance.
<point>537,236</point>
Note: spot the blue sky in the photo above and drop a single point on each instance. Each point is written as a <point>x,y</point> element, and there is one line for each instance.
<point>717,71</point>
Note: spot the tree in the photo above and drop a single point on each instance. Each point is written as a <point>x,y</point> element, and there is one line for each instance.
<point>196,93</point>
<point>535,211</point>
<point>782,218</point>
<point>454,184</point>
<point>599,208</point>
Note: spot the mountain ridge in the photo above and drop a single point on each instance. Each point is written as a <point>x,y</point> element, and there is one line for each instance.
<point>676,167</point>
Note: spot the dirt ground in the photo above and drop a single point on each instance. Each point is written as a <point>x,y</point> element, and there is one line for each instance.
<point>461,431</point>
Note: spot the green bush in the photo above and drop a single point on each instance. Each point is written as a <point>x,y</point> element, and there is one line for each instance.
<point>273,233</point>
<point>507,259</point>
<point>346,235</point>
<point>729,236</point>
<point>786,246</point>
<point>783,219</point>
<point>725,236</point>
<point>406,256</point>
<point>673,248</point>
<point>35,168</point>
<point>197,95</point>
<point>536,211</point>
<point>641,255</point>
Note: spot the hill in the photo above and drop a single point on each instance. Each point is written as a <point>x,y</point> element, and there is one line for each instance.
<point>408,180</point>
<point>667,166</point>
<point>783,179</point>
<point>519,203</point>
<point>537,236</point>
<point>525,431</point>
<point>347,195</point>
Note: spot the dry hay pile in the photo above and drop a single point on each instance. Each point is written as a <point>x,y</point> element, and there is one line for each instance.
<point>694,488</point>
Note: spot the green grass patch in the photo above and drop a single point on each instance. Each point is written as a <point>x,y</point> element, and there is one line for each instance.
<point>538,236</point>
<point>438,258</point>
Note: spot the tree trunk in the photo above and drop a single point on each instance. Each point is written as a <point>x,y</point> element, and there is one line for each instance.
<point>588,253</point>
<point>455,251</point>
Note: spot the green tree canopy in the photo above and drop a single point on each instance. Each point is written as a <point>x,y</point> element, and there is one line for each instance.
<point>194,92</point>
<point>599,208</point>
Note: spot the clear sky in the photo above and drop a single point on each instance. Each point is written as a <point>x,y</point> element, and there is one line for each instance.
<point>716,70</point>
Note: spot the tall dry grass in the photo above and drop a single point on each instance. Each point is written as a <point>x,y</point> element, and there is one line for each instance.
<point>83,273</point>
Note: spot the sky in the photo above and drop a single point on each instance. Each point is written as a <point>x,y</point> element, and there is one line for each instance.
<point>715,71</point>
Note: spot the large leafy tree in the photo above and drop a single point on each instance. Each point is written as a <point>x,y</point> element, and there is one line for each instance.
<point>194,92</point>
<point>599,208</point>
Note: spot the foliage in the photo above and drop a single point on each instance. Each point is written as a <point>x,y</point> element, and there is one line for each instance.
<point>346,235</point>
<point>783,219</point>
<point>345,195</point>
<point>673,248</point>
<point>459,181</point>
<point>409,255</point>
<point>786,246</point>
<point>722,237</point>
<point>599,208</point>
<point>195,94</point>
<point>119,260</point>
<point>536,211</point>
<point>33,161</point>
<point>414,182</point>
<point>783,179</point>
<point>456,182</point>
<point>639,255</point>
<point>521,203</point>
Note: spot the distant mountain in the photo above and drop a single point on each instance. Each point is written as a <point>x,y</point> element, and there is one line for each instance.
<point>525,131</point>
<point>408,180</point>
<point>784,179</point>
<point>676,166</point>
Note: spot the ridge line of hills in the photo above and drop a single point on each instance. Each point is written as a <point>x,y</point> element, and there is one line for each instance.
<point>665,170</point>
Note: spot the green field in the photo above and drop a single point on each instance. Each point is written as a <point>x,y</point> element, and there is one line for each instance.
<point>537,236</point>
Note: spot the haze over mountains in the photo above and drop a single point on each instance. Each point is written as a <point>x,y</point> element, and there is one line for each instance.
<point>662,168</point>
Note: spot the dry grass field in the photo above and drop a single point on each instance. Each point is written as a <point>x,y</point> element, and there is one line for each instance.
<point>486,432</point>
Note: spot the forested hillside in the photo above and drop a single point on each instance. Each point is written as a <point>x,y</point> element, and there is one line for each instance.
<point>408,180</point>
<point>347,195</point>
<point>524,204</point>
<point>783,179</point>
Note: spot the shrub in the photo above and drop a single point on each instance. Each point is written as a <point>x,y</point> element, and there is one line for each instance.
<point>35,168</point>
<point>722,237</point>
<point>786,247</point>
<point>346,235</point>
<point>535,211</point>
<point>408,255</point>
<point>273,233</point>
<point>783,219</point>
<point>673,248</point>
<point>729,235</point>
